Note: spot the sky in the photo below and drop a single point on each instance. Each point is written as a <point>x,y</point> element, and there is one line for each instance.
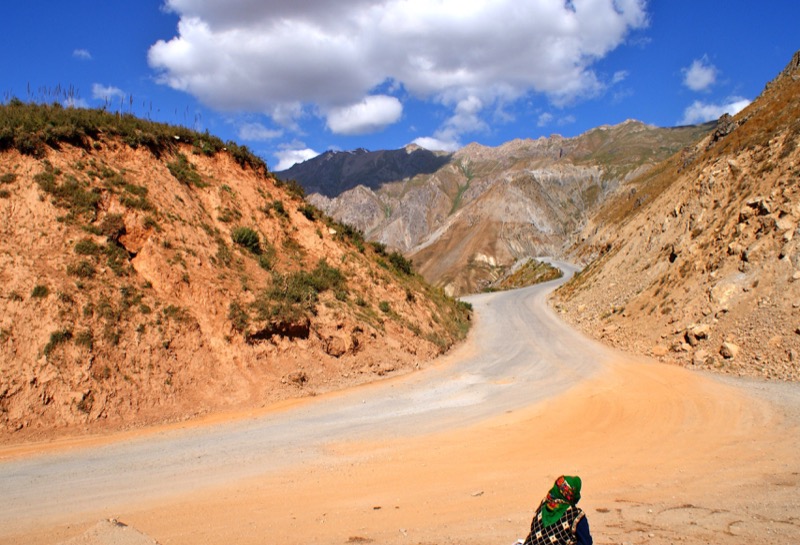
<point>294,78</point>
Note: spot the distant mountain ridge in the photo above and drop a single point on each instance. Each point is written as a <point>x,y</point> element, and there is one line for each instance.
<point>333,173</point>
<point>464,218</point>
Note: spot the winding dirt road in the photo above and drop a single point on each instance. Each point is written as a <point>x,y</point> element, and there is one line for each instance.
<point>461,452</point>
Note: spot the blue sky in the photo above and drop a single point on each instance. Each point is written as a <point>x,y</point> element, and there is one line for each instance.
<point>294,78</point>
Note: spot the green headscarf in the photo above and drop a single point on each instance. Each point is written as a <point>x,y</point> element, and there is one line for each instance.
<point>565,492</point>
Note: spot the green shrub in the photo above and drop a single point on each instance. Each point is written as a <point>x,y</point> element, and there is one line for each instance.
<point>239,317</point>
<point>40,291</point>
<point>293,187</point>
<point>247,238</point>
<point>70,194</point>
<point>184,171</point>
<point>117,258</point>
<point>56,338</point>
<point>136,198</point>
<point>292,296</point>
<point>112,226</point>
<point>150,222</point>
<point>7,178</point>
<point>87,246</point>
<point>378,247</point>
<point>308,211</point>
<point>224,255</point>
<point>244,157</point>
<point>325,277</point>
<point>81,269</point>
<point>279,208</point>
<point>384,307</point>
<point>85,339</point>
<point>400,263</point>
<point>5,194</point>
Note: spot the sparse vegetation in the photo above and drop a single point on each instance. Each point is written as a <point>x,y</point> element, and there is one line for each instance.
<point>40,291</point>
<point>184,171</point>
<point>239,317</point>
<point>400,263</point>
<point>294,296</point>
<point>82,269</point>
<point>32,128</point>
<point>56,338</point>
<point>87,246</point>
<point>247,238</point>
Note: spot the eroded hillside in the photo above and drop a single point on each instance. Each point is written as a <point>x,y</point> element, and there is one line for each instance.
<point>153,276</point>
<point>698,261</point>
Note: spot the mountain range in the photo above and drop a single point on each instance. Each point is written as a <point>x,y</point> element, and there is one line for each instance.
<point>466,218</point>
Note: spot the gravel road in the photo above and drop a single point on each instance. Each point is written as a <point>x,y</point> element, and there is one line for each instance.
<point>518,356</point>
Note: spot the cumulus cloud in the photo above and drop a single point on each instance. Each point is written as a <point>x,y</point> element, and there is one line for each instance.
<point>328,58</point>
<point>82,54</point>
<point>701,75</point>
<point>106,92</point>
<point>291,154</point>
<point>700,112</point>
<point>372,114</point>
<point>465,119</point>
<point>257,131</point>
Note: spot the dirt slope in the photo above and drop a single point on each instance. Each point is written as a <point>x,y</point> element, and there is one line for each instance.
<point>698,261</point>
<point>137,288</point>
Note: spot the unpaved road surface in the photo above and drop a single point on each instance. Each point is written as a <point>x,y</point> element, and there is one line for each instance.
<point>461,452</point>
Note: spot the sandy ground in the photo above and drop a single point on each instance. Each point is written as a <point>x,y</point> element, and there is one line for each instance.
<point>667,456</point>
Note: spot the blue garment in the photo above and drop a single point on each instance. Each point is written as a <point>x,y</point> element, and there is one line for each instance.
<point>582,532</point>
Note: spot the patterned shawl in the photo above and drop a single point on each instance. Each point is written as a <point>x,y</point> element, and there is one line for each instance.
<point>565,492</point>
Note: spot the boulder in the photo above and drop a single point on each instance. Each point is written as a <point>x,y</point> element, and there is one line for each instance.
<point>728,350</point>
<point>700,357</point>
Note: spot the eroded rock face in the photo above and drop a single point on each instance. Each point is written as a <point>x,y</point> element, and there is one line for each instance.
<point>709,264</point>
<point>142,307</point>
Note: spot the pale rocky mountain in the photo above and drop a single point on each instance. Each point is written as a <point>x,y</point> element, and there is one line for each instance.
<point>151,274</point>
<point>698,261</point>
<point>465,218</point>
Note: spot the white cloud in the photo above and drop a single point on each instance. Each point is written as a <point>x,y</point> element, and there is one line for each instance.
<point>619,77</point>
<point>107,93</point>
<point>372,114</point>
<point>434,144</point>
<point>700,76</point>
<point>293,153</point>
<point>566,120</point>
<point>82,54</point>
<point>75,103</point>
<point>547,118</point>
<point>322,57</point>
<point>257,131</point>
<point>544,119</point>
<point>465,119</point>
<point>700,112</point>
